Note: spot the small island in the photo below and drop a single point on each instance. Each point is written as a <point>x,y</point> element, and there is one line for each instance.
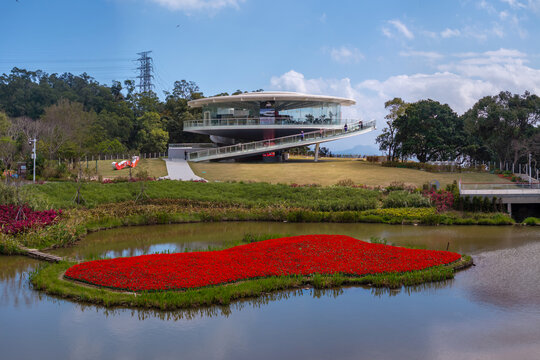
<point>183,280</point>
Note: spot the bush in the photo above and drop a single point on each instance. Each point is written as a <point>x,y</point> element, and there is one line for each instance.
<point>531,221</point>
<point>345,182</point>
<point>442,200</point>
<point>430,167</point>
<point>400,199</point>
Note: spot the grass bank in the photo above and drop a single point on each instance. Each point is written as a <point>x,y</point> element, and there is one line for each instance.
<point>337,198</point>
<point>49,279</point>
<point>77,222</point>
<point>329,172</point>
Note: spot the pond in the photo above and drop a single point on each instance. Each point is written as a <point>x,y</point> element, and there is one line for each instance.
<point>490,311</point>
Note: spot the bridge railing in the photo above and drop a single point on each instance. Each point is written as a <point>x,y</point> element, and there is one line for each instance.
<point>298,140</point>
<point>255,121</point>
<point>498,186</point>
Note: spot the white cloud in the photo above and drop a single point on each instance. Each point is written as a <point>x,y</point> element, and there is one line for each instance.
<point>198,5</point>
<point>386,32</point>
<point>345,54</point>
<point>431,55</point>
<point>323,18</point>
<point>447,33</point>
<point>459,83</point>
<point>514,4</point>
<point>402,28</point>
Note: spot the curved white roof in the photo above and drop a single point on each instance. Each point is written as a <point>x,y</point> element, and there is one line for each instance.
<point>271,95</point>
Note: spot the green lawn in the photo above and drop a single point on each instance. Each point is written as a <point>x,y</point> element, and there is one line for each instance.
<point>155,168</point>
<point>329,172</point>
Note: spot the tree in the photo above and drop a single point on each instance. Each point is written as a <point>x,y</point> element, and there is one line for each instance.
<point>184,89</point>
<point>430,131</point>
<point>8,147</point>
<point>151,136</point>
<point>504,125</point>
<point>387,140</point>
<point>67,129</point>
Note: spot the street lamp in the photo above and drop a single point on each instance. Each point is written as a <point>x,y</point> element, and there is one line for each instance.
<point>33,143</point>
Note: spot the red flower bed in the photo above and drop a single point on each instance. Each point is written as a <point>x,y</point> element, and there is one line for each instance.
<point>10,224</point>
<point>303,255</point>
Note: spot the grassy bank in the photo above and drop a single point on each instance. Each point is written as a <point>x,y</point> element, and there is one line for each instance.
<point>329,172</point>
<point>60,194</point>
<point>49,279</point>
<point>76,223</point>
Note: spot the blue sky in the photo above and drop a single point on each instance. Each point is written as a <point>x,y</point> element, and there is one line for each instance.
<point>451,51</point>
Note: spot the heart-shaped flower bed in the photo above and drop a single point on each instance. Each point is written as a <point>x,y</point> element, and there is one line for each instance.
<point>297,255</point>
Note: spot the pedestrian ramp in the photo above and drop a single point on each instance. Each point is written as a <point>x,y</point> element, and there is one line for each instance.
<point>281,143</point>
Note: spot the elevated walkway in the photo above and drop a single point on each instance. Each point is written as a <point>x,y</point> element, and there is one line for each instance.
<point>280,143</point>
<point>524,195</point>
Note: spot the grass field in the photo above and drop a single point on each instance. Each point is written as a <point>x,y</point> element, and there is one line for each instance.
<point>329,172</point>
<point>155,168</point>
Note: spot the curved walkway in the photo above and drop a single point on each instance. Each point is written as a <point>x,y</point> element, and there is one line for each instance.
<point>180,170</point>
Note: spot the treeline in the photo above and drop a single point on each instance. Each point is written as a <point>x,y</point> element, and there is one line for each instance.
<point>501,128</point>
<point>73,116</point>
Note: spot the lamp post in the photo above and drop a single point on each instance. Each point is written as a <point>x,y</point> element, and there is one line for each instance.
<point>33,143</point>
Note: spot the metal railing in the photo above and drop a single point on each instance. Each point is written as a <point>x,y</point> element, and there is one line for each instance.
<point>281,142</point>
<point>498,186</point>
<point>256,121</point>
<point>193,145</point>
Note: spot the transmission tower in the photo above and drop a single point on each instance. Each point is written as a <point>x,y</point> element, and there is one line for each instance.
<point>146,69</point>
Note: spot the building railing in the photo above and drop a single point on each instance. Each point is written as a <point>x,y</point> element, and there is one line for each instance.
<point>272,144</point>
<point>498,186</point>
<point>256,121</point>
<point>193,145</point>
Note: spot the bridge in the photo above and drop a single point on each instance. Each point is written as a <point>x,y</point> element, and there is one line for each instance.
<point>524,196</point>
<point>280,143</point>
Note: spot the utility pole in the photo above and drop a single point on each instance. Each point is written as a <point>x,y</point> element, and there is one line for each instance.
<point>530,172</point>
<point>33,143</point>
<point>146,68</point>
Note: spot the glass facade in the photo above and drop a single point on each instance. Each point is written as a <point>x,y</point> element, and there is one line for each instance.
<point>284,112</point>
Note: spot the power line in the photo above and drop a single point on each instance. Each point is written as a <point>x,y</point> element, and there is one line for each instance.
<point>146,68</point>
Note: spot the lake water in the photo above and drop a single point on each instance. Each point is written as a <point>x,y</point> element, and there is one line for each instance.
<point>490,311</point>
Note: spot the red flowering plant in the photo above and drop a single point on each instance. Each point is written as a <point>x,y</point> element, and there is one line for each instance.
<point>15,219</point>
<point>297,255</point>
<point>443,200</point>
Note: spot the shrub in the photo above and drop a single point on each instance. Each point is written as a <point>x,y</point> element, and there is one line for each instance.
<point>531,221</point>
<point>442,200</point>
<point>345,182</point>
<point>400,199</point>
<point>15,219</point>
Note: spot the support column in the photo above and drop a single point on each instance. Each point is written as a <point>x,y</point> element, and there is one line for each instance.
<point>509,207</point>
<point>317,151</point>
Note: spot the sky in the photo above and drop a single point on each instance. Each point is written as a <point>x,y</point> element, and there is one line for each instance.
<point>452,51</point>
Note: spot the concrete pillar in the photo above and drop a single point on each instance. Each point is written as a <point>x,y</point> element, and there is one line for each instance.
<point>509,207</point>
<point>317,151</point>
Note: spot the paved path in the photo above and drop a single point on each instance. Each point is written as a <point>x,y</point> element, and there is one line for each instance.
<point>180,170</point>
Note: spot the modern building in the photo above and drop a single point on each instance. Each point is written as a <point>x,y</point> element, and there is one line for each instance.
<point>267,124</point>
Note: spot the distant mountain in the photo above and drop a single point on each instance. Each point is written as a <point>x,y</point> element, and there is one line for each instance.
<point>360,150</point>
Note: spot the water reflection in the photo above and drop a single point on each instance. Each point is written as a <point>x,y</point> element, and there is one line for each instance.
<point>139,240</point>
<point>488,311</point>
<point>14,287</point>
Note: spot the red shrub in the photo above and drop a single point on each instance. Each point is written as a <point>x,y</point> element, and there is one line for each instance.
<point>11,224</point>
<point>443,200</point>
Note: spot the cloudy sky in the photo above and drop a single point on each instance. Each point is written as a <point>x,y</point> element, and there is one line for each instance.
<point>453,51</point>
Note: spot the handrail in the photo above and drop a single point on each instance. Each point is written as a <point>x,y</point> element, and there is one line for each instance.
<point>265,122</point>
<point>210,145</point>
<point>270,144</point>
